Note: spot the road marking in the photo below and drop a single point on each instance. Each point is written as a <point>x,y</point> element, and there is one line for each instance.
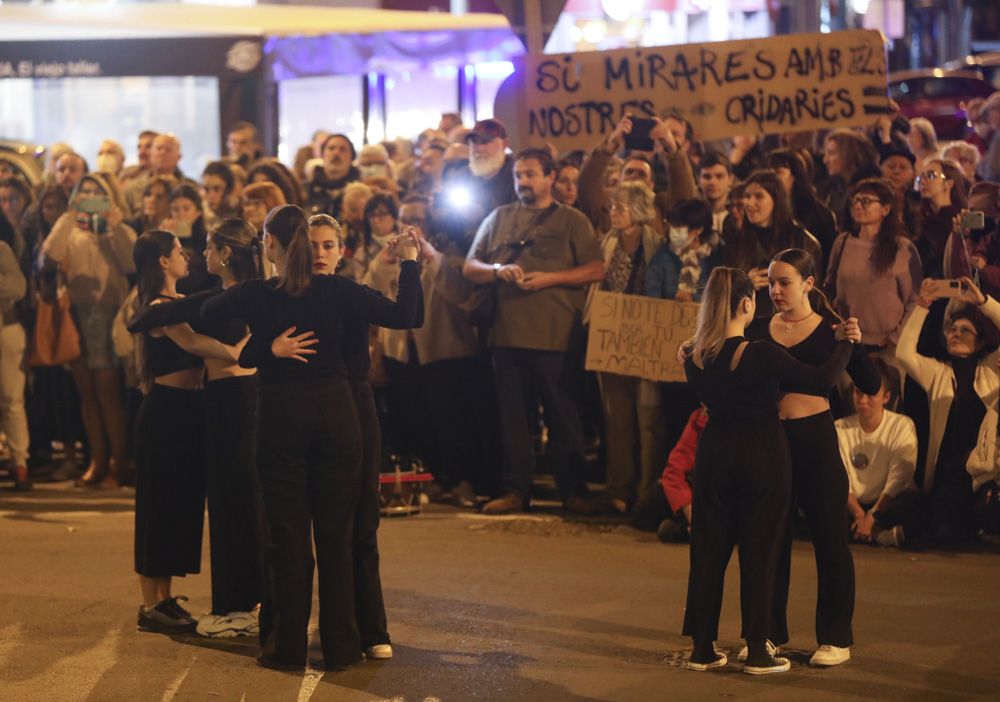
<point>310,681</point>
<point>507,517</point>
<point>79,673</point>
<point>171,691</point>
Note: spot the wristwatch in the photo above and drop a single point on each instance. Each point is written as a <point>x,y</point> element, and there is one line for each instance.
<point>496,269</point>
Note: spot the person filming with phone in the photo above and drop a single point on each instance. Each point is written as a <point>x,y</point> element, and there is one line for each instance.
<point>92,247</point>
<point>962,391</point>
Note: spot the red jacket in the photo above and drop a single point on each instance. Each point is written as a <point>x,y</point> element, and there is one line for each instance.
<point>680,462</point>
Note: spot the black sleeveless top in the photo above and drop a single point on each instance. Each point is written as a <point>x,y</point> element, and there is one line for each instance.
<point>163,356</point>
<point>754,387</point>
<point>816,348</point>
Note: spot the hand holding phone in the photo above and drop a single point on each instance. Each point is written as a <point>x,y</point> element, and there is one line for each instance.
<point>639,139</point>
<point>937,289</point>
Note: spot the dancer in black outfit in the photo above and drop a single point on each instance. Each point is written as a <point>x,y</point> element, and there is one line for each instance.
<point>803,325</point>
<point>741,497</point>
<point>309,461</point>
<point>170,479</point>
<point>233,254</point>
<point>326,237</point>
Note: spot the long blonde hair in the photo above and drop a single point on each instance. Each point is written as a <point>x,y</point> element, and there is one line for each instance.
<point>725,290</point>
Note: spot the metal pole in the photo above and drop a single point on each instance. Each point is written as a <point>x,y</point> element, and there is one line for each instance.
<point>533,26</point>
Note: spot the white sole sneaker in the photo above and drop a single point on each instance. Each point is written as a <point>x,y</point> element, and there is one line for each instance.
<point>783,665</point>
<point>827,655</point>
<point>719,662</point>
<point>379,652</point>
<point>227,626</point>
<point>771,649</point>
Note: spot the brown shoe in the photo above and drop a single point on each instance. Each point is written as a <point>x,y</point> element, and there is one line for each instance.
<point>585,506</point>
<point>505,505</point>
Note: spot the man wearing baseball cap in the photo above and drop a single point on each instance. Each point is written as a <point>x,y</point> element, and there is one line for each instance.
<point>473,191</point>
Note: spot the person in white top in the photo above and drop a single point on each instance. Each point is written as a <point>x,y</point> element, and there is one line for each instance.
<point>879,450</point>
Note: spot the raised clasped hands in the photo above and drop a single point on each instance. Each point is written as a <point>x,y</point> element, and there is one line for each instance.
<point>849,329</point>
<point>406,246</point>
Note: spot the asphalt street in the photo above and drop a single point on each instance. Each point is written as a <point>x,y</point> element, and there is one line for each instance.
<point>536,607</point>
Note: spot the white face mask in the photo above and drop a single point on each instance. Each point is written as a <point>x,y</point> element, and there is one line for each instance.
<point>679,236</point>
<point>107,163</point>
<point>375,170</point>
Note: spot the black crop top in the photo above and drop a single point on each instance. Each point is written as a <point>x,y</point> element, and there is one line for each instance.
<point>754,387</point>
<point>187,310</point>
<point>335,308</point>
<point>163,355</point>
<point>816,348</point>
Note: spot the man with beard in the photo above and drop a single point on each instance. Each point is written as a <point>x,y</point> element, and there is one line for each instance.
<point>327,182</point>
<point>471,192</point>
<point>540,255</point>
<point>242,144</point>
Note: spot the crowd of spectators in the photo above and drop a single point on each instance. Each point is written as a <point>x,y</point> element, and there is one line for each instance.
<point>493,384</point>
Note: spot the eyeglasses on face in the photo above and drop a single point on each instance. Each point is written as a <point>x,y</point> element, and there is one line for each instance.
<point>864,202</point>
<point>962,330</point>
<point>932,175</point>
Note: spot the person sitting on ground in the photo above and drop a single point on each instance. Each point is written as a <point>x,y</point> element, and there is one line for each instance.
<point>676,481</point>
<point>879,449</point>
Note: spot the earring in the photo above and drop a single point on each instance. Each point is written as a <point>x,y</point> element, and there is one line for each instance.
<point>225,264</point>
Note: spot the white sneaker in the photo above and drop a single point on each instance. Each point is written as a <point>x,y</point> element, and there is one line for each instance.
<point>771,649</point>
<point>893,538</point>
<point>227,626</point>
<point>830,655</point>
<point>379,652</point>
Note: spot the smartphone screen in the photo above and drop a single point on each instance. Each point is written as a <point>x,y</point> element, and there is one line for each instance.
<point>638,139</point>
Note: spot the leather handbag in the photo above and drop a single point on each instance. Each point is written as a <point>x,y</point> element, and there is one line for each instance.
<point>56,340</point>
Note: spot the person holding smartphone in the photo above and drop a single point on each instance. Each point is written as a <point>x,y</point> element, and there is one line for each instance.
<point>962,391</point>
<point>92,247</point>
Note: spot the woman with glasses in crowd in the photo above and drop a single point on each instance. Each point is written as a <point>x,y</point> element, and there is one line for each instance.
<point>309,462</point>
<point>944,193</point>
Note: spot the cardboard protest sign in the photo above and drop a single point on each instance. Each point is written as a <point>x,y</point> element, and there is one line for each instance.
<point>638,336</point>
<point>756,86</point>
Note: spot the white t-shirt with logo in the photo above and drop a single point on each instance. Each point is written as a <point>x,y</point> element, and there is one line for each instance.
<point>890,450</point>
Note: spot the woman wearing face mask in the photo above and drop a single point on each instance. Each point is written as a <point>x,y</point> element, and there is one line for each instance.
<point>217,188</point>
<point>308,461</point>
<point>374,162</point>
<point>742,496</point>
<point>94,253</point>
<point>233,254</point>
<point>632,407</point>
<point>170,440</point>
<point>768,227</point>
<point>155,204</point>
<point>943,193</point>
<point>816,217</point>
<point>962,391</point>
<point>803,325</point>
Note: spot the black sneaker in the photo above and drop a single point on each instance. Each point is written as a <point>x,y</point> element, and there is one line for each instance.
<point>172,605</point>
<point>161,619</point>
<point>764,665</point>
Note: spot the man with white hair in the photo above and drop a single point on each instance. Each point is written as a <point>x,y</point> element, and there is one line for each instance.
<point>473,191</point>
<point>163,161</point>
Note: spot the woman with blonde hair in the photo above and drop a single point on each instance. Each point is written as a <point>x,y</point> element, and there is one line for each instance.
<point>92,247</point>
<point>633,412</point>
<point>741,497</point>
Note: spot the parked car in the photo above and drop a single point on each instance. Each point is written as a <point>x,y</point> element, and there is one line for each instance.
<point>939,95</point>
<point>987,65</point>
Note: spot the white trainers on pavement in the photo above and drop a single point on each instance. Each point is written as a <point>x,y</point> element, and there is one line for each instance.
<point>379,652</point>
<point>830,655</point>
<point>227,626</point>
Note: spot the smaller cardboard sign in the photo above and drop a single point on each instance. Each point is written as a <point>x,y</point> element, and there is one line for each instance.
<point>638,336</point>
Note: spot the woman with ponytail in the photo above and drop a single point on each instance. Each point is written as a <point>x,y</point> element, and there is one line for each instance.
<point>804,324</point>
<point>233,254</point>
<point>170,451</point>
<point>309,461</point>
<point>741,497</point>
